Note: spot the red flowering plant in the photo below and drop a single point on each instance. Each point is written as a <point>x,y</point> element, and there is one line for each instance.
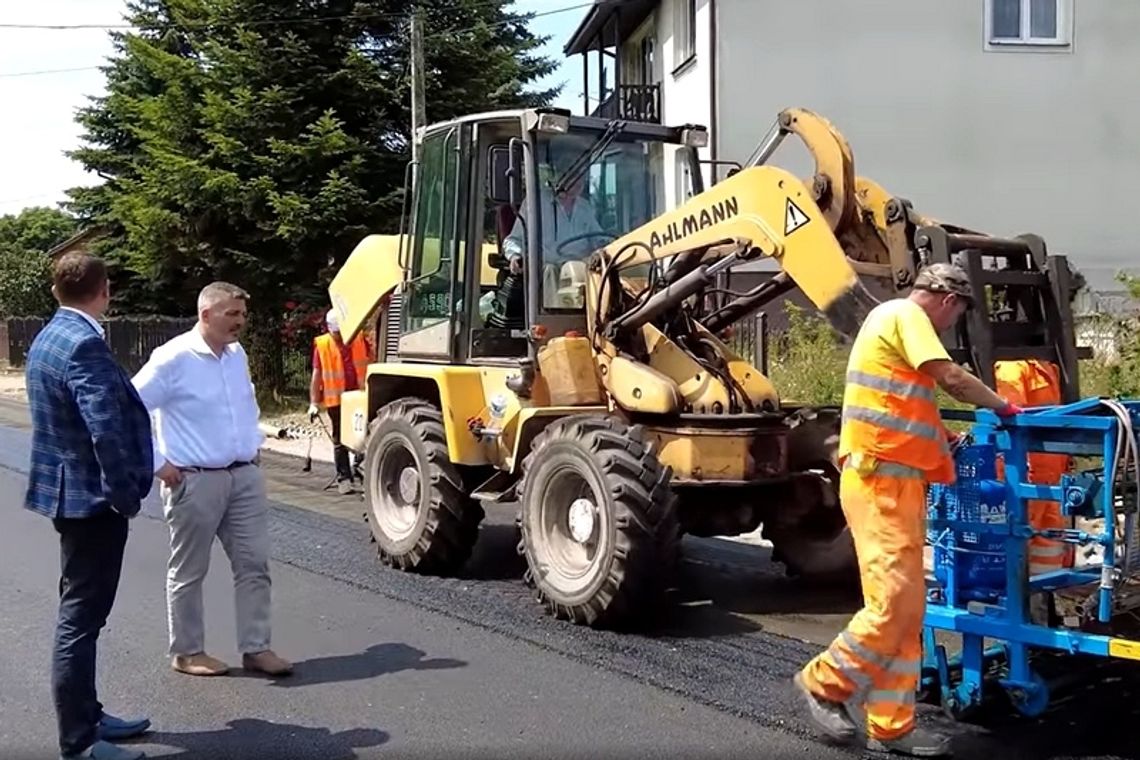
<point>300,323</point>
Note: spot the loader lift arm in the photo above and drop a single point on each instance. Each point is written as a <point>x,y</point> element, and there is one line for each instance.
<point>758,212</point>
<point>1027,314</point>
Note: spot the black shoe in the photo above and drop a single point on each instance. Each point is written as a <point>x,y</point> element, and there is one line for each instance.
<point>829,717</point>
<point>918,743</point>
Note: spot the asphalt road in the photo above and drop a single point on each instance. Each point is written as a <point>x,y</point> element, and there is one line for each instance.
<point>396,665</point>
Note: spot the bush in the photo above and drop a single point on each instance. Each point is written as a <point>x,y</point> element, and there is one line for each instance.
<point>808,362</point>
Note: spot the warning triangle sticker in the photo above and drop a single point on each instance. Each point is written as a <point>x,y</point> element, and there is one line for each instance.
<point>794,218</point>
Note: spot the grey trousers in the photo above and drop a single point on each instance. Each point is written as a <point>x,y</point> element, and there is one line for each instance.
<point>231,505</point>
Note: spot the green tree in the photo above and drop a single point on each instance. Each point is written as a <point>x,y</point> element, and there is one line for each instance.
<point>258,140</point>
<point>25,239</point>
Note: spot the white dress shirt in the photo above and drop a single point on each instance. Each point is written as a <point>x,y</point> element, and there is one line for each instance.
<point>90,319</point>
<point>203,406</point>
<point>558,225</point>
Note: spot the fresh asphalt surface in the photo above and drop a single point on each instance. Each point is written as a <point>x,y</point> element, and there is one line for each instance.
<point>397,665</point>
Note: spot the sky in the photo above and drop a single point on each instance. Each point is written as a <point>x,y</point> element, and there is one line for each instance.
<point>46,75</point>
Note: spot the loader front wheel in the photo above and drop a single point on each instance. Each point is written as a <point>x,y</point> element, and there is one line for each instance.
<point>598,520</point>
<point>810,533</point>
<point>420,515</point>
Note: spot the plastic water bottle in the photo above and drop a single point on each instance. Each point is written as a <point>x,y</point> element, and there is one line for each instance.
<point>498,408</point>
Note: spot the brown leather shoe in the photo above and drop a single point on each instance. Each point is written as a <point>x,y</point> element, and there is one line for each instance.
<point>267,662</point>
<point>200,664</point>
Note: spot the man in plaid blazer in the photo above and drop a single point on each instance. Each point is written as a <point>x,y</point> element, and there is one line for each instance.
<point>92,465</point>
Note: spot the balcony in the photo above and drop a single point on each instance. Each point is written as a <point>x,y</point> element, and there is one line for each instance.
<point>633,102</point>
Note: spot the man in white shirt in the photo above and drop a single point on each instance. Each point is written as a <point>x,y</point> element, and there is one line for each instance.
<point>565,216</point>
<point>198,389</point>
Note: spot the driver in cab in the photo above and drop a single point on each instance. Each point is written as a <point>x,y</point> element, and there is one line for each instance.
<point>566,215</point>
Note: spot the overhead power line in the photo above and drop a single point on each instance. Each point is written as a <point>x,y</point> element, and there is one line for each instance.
<point>46,71</point>
<point>274,22</point>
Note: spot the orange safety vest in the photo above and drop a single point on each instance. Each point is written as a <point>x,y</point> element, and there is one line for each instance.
<point>332,369</point>
<point>1031,383</point>
<point>890,414</point>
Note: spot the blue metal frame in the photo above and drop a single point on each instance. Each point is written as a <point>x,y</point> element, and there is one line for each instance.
<point>956,517</point>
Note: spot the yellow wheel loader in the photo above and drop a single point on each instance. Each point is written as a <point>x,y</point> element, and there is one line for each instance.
<point>551,334</point>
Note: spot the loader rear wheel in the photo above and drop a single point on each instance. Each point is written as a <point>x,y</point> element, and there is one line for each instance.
<point>598,520</point>
<point>418,510</point>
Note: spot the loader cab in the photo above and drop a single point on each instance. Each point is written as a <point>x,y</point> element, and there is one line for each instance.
<point>542,185</point>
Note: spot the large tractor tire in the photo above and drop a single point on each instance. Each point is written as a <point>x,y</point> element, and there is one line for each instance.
<point>418,510</point>
<point>598,520</point>
<point>815,543</point>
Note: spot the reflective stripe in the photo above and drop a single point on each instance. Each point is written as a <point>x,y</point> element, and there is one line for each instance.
<point>889,385</point>
<point>1054,550</point>
<point>903,697</point>
<point>892,665</point>
<point>861,680</point>
<point>883,419</point>
<point>890,469</point>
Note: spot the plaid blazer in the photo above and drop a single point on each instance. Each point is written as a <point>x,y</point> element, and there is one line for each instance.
<point>91,435</point>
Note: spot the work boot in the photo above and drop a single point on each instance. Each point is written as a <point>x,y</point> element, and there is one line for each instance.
<point>344,487</point>
<point>917,743</point>
<point>200,664</point>
<point>829,717</point>
<point>267,662</point>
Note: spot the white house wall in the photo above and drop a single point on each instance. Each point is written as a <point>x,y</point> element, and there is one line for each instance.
<point>685,94</point>
<point>1006,142</point>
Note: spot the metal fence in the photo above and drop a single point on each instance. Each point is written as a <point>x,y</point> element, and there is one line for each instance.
<point>279,366</point>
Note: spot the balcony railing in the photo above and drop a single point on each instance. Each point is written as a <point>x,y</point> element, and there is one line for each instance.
<point>634,102</point>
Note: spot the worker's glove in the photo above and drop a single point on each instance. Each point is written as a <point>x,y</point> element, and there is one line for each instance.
<point>957,441</point>
<point>1009,410</point>
<point>314,411</point>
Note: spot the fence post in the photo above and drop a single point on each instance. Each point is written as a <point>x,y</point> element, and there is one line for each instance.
<point>760,343</point>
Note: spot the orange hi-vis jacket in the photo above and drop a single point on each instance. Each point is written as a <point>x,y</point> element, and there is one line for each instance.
<point>332,367</point>
<point>1030,383</point>
<point>890,414</point>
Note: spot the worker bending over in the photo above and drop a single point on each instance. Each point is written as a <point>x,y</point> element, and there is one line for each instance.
<point>337,367</point>
<point>1031,382</point>
<point>891,444</point>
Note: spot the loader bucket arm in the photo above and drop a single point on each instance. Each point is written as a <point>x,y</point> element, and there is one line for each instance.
<point>759,211</point>
<point>885,239</point>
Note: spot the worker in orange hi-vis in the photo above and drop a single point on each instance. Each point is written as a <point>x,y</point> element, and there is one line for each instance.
<point>1036,383</point>
<point>337,367</point>
<point>892,443</point>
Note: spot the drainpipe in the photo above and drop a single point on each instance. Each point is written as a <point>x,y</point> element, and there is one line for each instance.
<point>713,136</point>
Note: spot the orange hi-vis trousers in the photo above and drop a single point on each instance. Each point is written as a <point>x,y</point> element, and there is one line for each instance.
<point>873,665</point>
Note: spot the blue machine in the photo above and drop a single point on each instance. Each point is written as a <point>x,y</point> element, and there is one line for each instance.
<point>979,530</point>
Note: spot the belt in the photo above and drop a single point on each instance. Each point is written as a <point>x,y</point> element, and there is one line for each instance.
<point>230,466</point>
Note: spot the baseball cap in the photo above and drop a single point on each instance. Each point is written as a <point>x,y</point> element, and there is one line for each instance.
<point>945,278</point>
<point>332,321</point>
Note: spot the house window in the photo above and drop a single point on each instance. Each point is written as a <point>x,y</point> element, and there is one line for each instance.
<point>684,32</point>
<point>1028,22</point>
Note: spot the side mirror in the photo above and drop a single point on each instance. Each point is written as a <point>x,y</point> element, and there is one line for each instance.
<point>499,179</point>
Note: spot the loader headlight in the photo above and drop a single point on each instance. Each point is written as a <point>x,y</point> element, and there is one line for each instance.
<point>553,122</point>
<point>695,137</point>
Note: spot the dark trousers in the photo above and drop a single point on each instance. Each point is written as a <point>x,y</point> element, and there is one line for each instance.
<point>91,560</point>
<point>340,452</point>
